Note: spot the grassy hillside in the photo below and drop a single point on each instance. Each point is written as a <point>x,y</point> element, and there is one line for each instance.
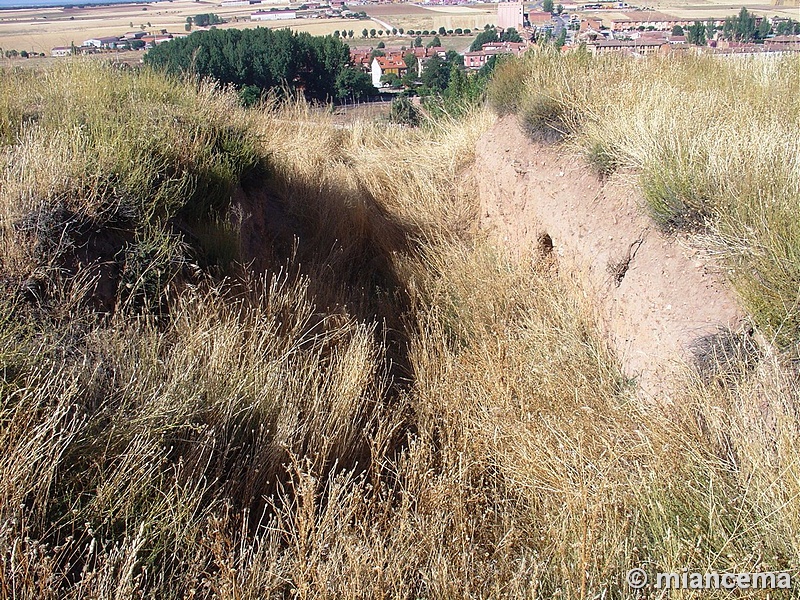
<point>251,354</point>
<point>713,144</point>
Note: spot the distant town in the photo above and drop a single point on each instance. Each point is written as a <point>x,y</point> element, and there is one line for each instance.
<point>383,53</point>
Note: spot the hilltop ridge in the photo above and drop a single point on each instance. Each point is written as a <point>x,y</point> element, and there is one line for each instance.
<point>259,353</point>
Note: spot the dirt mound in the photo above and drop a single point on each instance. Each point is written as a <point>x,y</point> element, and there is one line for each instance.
<point>658,299</point>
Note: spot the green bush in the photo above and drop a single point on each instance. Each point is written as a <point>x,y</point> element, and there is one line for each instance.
<point>507,87</point>
<point>543,119</point>
<point>600,158</point>
<point>403,112</point>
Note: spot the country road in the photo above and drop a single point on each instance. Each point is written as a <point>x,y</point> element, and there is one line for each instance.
<point>386,26</point>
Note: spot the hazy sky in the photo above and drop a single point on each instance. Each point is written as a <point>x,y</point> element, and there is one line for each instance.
<point>32,3</point>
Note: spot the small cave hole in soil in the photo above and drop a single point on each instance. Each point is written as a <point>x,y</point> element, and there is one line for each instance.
<point>544,244</point>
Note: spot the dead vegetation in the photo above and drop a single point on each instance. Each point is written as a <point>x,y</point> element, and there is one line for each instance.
<point>705,163</point>
<point>367,402</point>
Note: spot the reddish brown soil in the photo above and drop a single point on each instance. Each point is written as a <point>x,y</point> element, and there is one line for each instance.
<point>655,295</point>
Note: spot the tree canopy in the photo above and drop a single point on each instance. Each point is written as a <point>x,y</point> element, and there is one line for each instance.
<point>484,37</point>
<point>787,27</point>
<point>437,71</point>
<point>264,58</point>
<point>510,35</point>
<point>206,19</point>
<point>741,28</point>
<point>696,34</point>
<point>488,36</point>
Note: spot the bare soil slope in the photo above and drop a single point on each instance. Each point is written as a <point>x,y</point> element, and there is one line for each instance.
<point>656,296</point>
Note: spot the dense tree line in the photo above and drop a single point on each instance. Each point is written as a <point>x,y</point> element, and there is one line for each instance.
<point>265,59</point>
<point>448,88</point>
<point>21,54</point>
<point>788,27</point>
<point>206,19</point>
<point>743,28</point>
<point>490,35</point>
<point>698,33</point>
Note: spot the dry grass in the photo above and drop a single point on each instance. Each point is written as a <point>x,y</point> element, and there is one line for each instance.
<point>392,410</point>
<point>713,141</point>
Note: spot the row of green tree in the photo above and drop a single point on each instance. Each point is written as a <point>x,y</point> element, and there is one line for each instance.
<point>440,31</point>
<point>375,32</point>
<point>20,53</point>
<point>490,35</point>
<point>380,32</point>
<point>265,59</point>
<point>205,19</point>
<point>787,27</point>
<point>744,27</point>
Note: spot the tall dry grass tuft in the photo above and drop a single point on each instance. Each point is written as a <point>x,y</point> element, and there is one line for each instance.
<point>136,156</point>
<point>140,430</point>
<point>713,141</point>
<point>391,408</point>
<point>599,482</point>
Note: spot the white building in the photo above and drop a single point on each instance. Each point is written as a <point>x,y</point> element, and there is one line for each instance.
<point>509,14</point>
<point>387,65</point>
<point>61,51</point>
<point>273,15</point>
<point>102,42</point>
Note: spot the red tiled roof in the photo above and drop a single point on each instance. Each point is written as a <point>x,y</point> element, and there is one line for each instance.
<point>390,62</point>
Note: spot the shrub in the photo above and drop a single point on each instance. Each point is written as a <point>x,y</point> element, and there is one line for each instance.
<point>403,112</point>
<point>601,158</point>
<point>543,118</point>
<point>507,87</point>
<point>727,174</point>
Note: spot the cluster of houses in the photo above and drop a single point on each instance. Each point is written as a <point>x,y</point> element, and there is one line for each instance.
<point>133,39</point>
<point>639,33</point>
<point>642,37</point>
<point>311,5</point>
<point>391,62</point>
<point>635,32</point>
<point>477,59</point>
<point>651,42</point>
<point>307,10</point>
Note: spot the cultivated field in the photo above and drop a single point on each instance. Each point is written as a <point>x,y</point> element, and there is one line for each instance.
<point>450,17</point>
<point>711,9</point>
<point>694,8</point>
<point>41,29</point>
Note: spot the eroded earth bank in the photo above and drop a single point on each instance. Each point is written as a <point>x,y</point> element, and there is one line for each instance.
<point>661,301</point>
